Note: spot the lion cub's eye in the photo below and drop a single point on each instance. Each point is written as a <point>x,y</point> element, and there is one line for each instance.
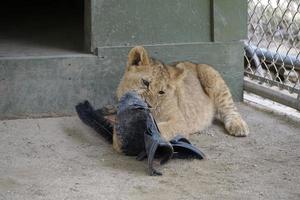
<point>161,92</point>
<point>145,82</point>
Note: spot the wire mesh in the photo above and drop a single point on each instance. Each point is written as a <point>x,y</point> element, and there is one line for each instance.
<point>272,51</point>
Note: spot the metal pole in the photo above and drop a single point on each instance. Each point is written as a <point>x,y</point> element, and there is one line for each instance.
<point>271,94</point>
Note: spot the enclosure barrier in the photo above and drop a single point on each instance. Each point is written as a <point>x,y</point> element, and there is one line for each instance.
<point>272,51</point>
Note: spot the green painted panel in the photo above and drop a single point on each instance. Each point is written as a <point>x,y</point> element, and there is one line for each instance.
<point>52,86</point>
<point>88,26</point>
<point>229,20</point>
<point>132,22</point>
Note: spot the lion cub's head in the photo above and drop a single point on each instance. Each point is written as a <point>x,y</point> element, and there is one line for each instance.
<point>153,80</point>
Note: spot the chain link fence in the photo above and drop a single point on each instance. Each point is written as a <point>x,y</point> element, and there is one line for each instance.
<point>272,51</point>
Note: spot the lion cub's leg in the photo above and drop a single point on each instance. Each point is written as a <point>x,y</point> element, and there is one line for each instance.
<point>171,128</point>
<point>217,90</point>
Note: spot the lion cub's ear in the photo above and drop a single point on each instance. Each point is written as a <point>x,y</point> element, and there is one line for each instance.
<point>138,56</point>
<point>178,73</point>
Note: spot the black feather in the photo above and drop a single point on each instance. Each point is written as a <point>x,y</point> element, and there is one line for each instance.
<point>95,119</point>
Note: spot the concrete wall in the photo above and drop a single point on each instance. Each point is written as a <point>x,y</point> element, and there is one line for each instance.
<point>172,30</point>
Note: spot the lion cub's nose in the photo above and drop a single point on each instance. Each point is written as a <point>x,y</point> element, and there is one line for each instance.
<point>146,83</point>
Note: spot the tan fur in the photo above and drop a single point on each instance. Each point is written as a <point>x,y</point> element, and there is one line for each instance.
<point>193,94</point>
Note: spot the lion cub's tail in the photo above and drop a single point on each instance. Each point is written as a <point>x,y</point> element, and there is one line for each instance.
<point>95,119</point>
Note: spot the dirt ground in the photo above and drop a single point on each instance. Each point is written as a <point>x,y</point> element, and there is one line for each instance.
<point>60,158</point>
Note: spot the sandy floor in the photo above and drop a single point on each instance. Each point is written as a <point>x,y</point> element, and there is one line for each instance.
<point>60,158</point>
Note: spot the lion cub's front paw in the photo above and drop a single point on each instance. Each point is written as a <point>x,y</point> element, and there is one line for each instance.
<point>237,127</point>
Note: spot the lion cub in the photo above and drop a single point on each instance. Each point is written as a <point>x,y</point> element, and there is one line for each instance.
<point>184,96</point>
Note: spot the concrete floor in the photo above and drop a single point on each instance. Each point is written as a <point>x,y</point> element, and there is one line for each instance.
<point>60,158</point>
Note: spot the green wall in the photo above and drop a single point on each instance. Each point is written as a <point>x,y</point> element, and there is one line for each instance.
<point>156,22</point>
<point>201,31</point>
<point>133,22</point>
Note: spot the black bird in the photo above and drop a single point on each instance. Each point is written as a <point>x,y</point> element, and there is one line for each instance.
<point>137,132</point>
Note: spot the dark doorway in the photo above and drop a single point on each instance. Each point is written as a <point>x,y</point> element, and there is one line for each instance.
<point>35,27</point>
